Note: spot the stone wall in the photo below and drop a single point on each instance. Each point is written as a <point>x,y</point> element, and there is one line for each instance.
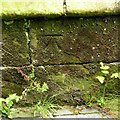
<point>65,40</point>
<point>65,53</point>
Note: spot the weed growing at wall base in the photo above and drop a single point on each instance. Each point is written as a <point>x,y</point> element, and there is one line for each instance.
<point>45,106</point>
<point>6,105</point>
<point>103,78</point>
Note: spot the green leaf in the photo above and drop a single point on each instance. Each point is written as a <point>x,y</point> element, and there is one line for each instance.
<point>9,103</point>
<point>101,101</point>
<point>1,101</point>
<point>101,79</point>
<point>44,87</point>
<point>105,71</point>
<point>101,63</point>
<point>104,67</point>
<point>32,75</point>
<point>12,96</point>
<point>115,75</point>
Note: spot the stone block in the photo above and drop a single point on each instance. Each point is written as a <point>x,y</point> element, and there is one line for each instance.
<point>12,82</point>
<point>31,9</point>
<point>90,8</point>
<point>74,40</point>
<point>15,51</point>
<point>75,84</point>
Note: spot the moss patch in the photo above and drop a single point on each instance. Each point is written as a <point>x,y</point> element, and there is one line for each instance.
<point>113,106</point>
<point>15,49</point>
<point>74,40</point>
<point>74,85</point>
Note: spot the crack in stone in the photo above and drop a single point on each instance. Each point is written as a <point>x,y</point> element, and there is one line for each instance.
<point>66,64</point>
<point>83,63</point>
<point>54,35</point>
<point>27,25</point>
<point>64,8</point>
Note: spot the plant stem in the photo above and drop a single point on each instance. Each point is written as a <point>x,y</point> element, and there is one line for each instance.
<point>104,91</point>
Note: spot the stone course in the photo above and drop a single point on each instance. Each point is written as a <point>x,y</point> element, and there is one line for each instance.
<point>55,8</point>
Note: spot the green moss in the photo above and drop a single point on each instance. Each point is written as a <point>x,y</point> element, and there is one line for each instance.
<point>11,88</point>
<point>58,78</point>
<point>113,106</point>
<point>15,48</point>
<point>74,40</point>
<point>34,40</point>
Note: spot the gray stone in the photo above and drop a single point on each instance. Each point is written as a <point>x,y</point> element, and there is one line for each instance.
<point>94,115</point>
<point>63,112</point>
<point>67,116</point>
<point>89,8</point>
<point>88,111</point>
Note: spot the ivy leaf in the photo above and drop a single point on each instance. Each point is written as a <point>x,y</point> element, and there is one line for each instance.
<point>115,75</point>
<point>105,71</point>
<point>101,79</point>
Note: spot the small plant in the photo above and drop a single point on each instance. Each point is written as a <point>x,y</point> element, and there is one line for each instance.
<point>45,107</point>
<point>103,79</point>
<point>36,87</point>
<point>6,105</point>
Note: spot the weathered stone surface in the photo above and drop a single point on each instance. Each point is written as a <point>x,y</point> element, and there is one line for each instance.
<point>53,8</point>
<point>75,84</point>
<point>27,113</point>
<point>15,51</point>
<point>94,115</point>
<point>12,82</point>
<point>77,40</point>
<point>94,7</point>
<point>18,9</point>
<point>61,112</point>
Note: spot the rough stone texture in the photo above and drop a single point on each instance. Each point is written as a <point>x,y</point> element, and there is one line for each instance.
<point>31,9</point>
<point>52,8</point>
<point>15,51</point>
<point>74,84</point>
<point>94,7</point>
<point>68,50</point>
<point>12,82</point>
<point>63,112</point>
<point>27,113</point>
<point>97,115</point>
<point>74,40</point>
